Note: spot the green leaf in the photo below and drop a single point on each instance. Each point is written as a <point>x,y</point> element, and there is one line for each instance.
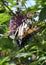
<point>3,60</point>
<point>42,15</point>
<point>23,2</point>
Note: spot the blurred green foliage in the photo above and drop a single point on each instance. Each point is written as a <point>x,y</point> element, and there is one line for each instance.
<point>36,45</point>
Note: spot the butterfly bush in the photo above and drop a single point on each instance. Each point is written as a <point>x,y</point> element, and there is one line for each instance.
<point>12,26</point>
<point>15,22</point>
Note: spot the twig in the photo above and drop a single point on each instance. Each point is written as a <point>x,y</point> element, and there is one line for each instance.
<point>7,7</point>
